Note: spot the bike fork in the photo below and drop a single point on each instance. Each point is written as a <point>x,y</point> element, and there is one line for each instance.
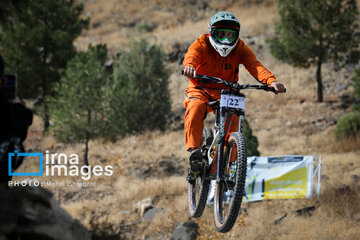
<point>225,122</point>
<point>241,122</point>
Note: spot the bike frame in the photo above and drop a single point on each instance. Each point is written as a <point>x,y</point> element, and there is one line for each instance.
<point>223,120</point>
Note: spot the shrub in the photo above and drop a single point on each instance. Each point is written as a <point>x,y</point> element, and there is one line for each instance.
<point>348,126</point>
<point>252,142</point>
<point>140,92</point>
<point>355,82</point>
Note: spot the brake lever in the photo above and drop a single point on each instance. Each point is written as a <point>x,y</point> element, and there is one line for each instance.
<point>272,89</point>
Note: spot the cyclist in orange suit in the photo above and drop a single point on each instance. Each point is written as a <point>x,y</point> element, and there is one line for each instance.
<point>218,54</point>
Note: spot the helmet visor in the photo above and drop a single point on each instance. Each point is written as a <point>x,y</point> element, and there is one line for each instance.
<point>225,35</point>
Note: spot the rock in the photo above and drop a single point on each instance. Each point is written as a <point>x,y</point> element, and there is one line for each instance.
<point>355,178</point>
<point>33,213</point>
<point>109,64</point>
<point>279,220</point>
<point>96,25</point>
<point>186,231</point>
<point>178,52</point>
<point>355,216</point>
<point>243,211</point>
<point>170,166</point>
<point>305,211</point>
<point>342,189</point>
<point>142,206</point>
<point>300,212</point>
<point>151,213</point>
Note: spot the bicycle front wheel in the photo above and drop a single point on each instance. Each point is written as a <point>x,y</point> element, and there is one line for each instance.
<point>229,193</point>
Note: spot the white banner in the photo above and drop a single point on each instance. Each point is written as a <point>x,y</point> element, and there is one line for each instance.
<point>280,177</point>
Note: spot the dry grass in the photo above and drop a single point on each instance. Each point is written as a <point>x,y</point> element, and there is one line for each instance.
<point>110,203</point>
<point>293,123</point>
<point>115,22</point>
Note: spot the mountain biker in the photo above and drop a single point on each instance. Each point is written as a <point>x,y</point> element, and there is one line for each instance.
<point>219,54</point>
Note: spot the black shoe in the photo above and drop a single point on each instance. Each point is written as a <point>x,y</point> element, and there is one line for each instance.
<point>196,162</point>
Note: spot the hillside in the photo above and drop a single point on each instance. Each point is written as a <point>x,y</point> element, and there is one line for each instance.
<point>154,164</point>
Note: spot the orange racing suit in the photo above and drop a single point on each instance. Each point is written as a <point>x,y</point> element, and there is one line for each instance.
<point>206,60</point>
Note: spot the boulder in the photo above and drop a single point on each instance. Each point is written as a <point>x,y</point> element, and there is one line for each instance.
<point>151,213</point>
<point>142,206</point>
<point>33,213</point>
<point>355,216</point>
<point>355,178</point>
<point>186,231</point>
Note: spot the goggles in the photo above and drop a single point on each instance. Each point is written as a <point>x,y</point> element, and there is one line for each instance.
<point>221,34</point>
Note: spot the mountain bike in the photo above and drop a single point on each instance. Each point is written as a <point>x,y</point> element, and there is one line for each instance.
<point>224,157</point>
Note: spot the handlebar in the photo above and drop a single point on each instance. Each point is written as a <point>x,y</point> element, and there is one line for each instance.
<point>208,79</point>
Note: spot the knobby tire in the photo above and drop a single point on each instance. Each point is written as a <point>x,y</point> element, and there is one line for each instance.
<point>225,223</point>
<point>198,192</point>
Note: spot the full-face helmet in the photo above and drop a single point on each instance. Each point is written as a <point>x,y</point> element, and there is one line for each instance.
<point>224,29</point>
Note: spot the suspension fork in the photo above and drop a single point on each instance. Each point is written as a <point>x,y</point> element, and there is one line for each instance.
<point>241,116</point>
<point>224,128</point>
<point>225,122</point>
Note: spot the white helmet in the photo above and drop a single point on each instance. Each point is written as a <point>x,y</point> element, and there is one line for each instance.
<point>224,29</point>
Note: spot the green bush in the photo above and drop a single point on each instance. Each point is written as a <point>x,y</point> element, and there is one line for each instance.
<point>140,92</point>
<point>252,142</point>
<point>348,126</point>
<point>355,82</point>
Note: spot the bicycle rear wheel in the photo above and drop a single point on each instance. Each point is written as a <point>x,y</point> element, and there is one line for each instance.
<point>229,193</point>
<point>198,190</point>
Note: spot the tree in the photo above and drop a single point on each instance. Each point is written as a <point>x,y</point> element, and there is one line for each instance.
<point>6,6</point>
<point>348,126</point>
<point>140,94</point>
<point>355,82</point>
<point>37,41</point>
<point>80,106</point>
<point>314,32</point>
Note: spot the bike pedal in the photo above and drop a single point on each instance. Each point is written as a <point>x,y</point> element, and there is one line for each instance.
<point>190,178</point>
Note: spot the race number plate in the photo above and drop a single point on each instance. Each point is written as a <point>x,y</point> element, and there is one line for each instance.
<point>232,101</point>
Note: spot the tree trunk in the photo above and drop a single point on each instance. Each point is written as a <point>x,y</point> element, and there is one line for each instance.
<point>87,139</point>
<point>45,106</point>
<point>46,119</point>
<point>45,85</point>
<point>318,70</point>
<point>86,161</point>
<point>319,81</point>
